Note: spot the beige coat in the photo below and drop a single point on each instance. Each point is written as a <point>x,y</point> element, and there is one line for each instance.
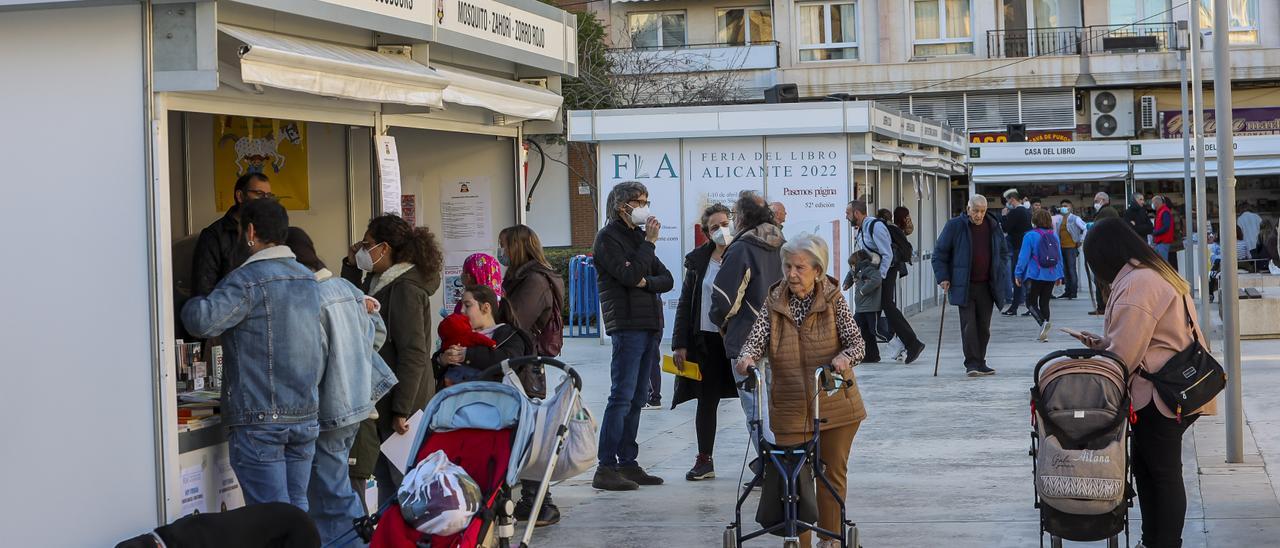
<point>796,352</point>
<point>1146,325</point>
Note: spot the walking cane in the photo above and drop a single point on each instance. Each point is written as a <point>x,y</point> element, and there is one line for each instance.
<point>1089,275</point>
<point>942,320</point>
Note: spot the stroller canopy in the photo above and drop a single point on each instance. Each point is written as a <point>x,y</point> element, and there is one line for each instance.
<point>485,406</point>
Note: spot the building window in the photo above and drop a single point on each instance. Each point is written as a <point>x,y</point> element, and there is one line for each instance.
<point>1244,20</point>
<point>664,29</point>
<point>742,26</point>
<point>1128,12</point>
<point>828,30</point>
<point>943,27</point>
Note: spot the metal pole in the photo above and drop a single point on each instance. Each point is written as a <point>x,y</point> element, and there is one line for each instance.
<point>1227,210</point>
<point>1193,263</point>
<point>1197,117</point>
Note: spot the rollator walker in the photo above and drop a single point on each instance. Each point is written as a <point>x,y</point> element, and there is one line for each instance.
<point>794,466</point>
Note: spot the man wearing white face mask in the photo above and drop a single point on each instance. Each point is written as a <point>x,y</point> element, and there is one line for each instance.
<point>1070,230</point>
<point>631,280</point>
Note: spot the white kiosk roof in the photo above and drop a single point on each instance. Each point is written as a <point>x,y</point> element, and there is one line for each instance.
<point>1149,159</point>
<point>1057,161</point>
<point>1163,159</point>
<point>812,118</point>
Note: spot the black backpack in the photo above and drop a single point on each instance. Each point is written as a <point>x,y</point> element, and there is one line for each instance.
<point>902,248</point>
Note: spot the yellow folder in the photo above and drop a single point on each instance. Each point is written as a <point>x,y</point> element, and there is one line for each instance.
<point>691,370</point>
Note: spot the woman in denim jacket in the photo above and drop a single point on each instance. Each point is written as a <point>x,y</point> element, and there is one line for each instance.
<point>265,311</point>
<point>354,378</point>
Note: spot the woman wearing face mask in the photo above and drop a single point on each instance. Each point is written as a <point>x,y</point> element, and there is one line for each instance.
<point>398,265</point>
<point>534,303</point>
<point>697,339</point>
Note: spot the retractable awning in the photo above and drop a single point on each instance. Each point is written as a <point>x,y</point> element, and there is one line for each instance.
<point>332,70</point>
<point>502,96</point>
<point>1172,169</point>
<point>886,153</point>
<point>1049,172</point>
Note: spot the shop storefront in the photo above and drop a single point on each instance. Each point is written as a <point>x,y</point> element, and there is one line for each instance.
<point>1052,171</point>
<point>1077,170</point>
<point>812,157</point>
<point>351,107</point>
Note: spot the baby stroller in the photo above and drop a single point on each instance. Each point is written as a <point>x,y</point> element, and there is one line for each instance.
<point>1079,446</point>
<point>488,429</point>
<point>790,477</point>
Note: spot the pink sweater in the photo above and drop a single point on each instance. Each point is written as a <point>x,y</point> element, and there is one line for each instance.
<point>1146,325</point>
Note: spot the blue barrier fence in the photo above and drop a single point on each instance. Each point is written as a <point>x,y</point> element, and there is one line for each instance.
<point>584,299</point>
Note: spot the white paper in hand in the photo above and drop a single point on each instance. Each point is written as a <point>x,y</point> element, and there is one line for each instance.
<point>399,447</point>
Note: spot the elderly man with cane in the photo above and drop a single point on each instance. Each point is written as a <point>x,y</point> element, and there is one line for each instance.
<point>970,263</point>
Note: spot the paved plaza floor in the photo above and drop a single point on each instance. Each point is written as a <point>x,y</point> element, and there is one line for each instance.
<point>940,461</point>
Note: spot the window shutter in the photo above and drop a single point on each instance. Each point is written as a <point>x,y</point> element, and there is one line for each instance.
<point>992,111</point>
<point>947,108</point>
<point>1049,109</point>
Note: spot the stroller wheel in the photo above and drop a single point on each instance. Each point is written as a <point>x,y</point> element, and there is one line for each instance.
<point>851,537</point>
<point>1055,542</point>
<point>730,538</point>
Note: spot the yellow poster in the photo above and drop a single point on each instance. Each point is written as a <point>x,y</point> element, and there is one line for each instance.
<point>277,148</point>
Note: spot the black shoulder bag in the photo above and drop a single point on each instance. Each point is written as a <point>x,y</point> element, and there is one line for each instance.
<point>1191,378</point>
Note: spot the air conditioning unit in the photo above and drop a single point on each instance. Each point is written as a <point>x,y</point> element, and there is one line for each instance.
<point>1147,112</point>
<point>1111,113</point>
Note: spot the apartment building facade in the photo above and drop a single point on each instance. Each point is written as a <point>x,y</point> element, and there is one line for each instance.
<point>1066,70</point>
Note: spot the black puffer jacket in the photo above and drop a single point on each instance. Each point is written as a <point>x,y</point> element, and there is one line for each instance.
<point>752,264</point>
<point>1139,220</point>
<point>622,258</point>
<point>218,251</point>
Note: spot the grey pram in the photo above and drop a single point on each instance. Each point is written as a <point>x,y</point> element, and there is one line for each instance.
<point>1080,411</point>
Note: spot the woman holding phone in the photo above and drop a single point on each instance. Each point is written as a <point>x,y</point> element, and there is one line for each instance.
<point>1147,318</point>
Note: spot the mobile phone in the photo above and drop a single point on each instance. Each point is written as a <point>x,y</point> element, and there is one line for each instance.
<point>1072,332</point>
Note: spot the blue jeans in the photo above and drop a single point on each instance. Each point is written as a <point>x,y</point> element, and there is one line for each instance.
<point>634,353</point>
<point>334,504</point>
<point>1070,285</point>
<point>1163,251</point>
<point>273,461</point>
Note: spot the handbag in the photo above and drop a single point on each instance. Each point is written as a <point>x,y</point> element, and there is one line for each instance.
<point>1191,378</point>
<point>772,510</point>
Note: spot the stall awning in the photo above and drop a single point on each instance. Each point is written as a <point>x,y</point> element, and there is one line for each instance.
<point>332,70</point>
<point>1172,169</point>
<point>886,153</point>
<point>1049,172</point>
<point>502,96</point>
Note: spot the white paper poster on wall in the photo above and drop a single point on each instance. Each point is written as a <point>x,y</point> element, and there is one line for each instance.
<point>465,209</point>
<point>657,165</point>
<point>810,176</point>
<point>716,171</point>
<point>193,489</point>
<point>388,173</point>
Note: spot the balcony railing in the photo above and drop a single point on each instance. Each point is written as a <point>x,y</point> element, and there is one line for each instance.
<point>1033,42</point>
<point>1093,40</point>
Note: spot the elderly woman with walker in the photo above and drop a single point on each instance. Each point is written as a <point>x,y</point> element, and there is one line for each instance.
<point>809,337</point>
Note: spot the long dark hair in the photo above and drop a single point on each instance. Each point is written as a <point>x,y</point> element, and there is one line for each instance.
<point>304,249</point>
<point>408,244</point>
<point>1112,243</point>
